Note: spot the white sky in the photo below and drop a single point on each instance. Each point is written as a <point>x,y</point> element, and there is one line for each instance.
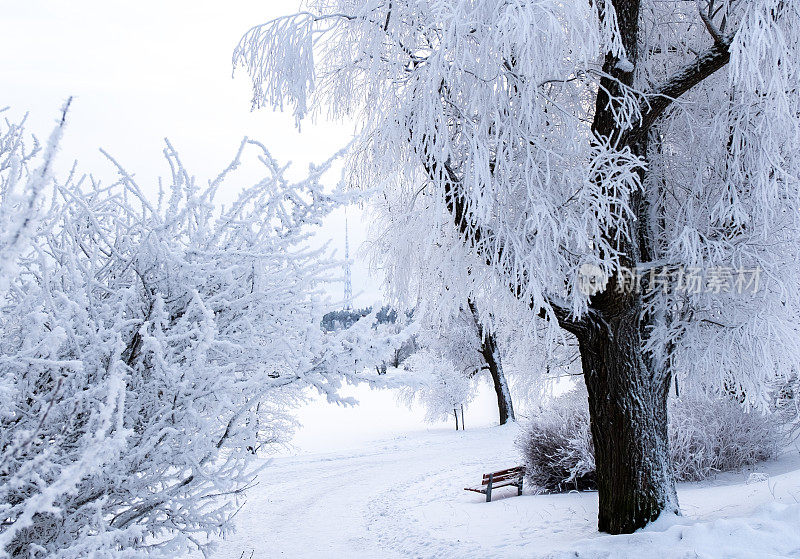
<point>141,71</point>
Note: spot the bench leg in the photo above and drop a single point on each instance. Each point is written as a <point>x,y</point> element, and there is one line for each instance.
<point>489,490</point>
<point>519,488</point>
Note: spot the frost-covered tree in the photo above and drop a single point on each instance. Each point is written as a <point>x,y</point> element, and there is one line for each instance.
<point>387,320</point>
<point>150,349</point>
<point>459,331</point>
<point>478,343</point>
<point>470,346</point>
<point>437,383</point>
<point>565,144</point>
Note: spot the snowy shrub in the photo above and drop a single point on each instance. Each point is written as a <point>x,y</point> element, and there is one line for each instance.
<point>21,188</point>
<point>707,435</point>
<point>556,446</point>
<point>710,436</point>
<point>787,404</point>
<point>150,349</point>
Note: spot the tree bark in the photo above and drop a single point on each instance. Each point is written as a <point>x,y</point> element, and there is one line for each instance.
<point>491,355</point>
<point>628,412</point>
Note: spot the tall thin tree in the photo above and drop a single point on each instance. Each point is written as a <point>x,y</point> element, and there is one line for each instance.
<point>490,351</point>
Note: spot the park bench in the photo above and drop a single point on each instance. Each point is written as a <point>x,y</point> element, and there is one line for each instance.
<point>511,476</point>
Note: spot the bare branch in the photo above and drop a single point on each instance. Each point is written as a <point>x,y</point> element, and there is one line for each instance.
<point>706,16</point>
<point>705,65</point>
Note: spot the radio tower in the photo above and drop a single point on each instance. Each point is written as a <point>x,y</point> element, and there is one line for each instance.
<point>348,280</point>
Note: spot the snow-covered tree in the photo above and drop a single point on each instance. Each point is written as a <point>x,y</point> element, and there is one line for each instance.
<point>470,346</point>
<point>386,320</point>
<point>149,349</point>
<point>438,384</point>
<point>493,363</point>
<point>555,148</point>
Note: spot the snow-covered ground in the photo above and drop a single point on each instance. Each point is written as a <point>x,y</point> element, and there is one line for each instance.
<point>404,497</point>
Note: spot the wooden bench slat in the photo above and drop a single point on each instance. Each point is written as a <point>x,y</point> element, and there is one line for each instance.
<point>502,478</point>
<point>517,470</point>
<point>509,474</point>
<point>504,483</point>
<point>514,476</point>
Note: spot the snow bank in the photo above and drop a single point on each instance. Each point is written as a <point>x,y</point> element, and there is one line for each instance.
<point>772,531</point>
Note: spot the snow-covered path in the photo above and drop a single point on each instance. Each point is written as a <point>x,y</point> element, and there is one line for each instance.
<point>378,501</point>
<point>405,498</point>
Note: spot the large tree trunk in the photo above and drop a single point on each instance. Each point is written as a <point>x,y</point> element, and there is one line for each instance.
<point>491,355</point>
<point>627,391</point>
<point>628,411</point>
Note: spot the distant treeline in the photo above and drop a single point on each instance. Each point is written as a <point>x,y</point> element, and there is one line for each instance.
<point>345,318</point>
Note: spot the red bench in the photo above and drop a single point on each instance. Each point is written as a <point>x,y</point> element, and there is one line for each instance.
<point>511,476</point>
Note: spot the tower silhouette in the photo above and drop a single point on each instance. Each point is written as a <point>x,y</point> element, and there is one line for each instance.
<point>348,279</point>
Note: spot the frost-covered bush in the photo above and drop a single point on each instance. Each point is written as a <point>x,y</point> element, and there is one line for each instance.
<point>150,349</point>
<point>710,436</point>
<point>707,435</point>
<point>21,188</point>
<point>556,445</point>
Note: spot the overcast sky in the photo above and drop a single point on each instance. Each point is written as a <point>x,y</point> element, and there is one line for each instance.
<point>141,71</point>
